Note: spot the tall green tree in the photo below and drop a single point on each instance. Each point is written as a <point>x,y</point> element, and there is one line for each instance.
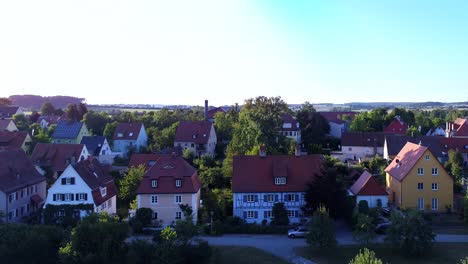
<point>364,229</point>
<point>47,109</point>
<point>72,113</point>
<point>280,215</point>
<point>454,165</point>
<point>129,183</point>
<point>314,127</point>
<point>321,229</point>
<point>21,122</point>
<point>109,130</point>
<point>96,122</point>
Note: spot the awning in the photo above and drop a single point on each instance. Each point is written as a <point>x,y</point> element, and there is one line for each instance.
<point>36,199</point>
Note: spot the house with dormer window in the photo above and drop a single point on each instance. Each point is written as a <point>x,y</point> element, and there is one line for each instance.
<point>198,136</point>
<point>69,132</point>
<point>168,182</point>
<point>290,128</point>
<point>129,136</point>
<point>86,182</point>
<point>258,182</point>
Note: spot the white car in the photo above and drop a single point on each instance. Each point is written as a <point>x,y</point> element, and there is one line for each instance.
<point>299,231</point>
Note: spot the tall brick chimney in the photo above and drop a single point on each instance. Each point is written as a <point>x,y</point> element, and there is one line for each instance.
<point>206,109</point>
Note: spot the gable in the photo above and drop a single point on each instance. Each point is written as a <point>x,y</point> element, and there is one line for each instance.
<point>79,186</point>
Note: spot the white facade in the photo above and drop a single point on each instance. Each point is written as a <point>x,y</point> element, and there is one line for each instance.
<point>123,145</point>
<point>75,192</point>
<point>360,153</point>
<point>372,201</point>
<point>336,129</point>
<point>201,149</point>
<point>291,132</point>
<point>438,131</point>
<point>254,207</point>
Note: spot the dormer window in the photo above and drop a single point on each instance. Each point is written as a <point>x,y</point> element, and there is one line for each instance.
<point>280,180</point>
<point>151,162</point>
<point>154,183</point>
<point>130,134</point>
<point>194,136</point>
<point>103,191</point>
<point>119,135</point>
<point>178,183</point>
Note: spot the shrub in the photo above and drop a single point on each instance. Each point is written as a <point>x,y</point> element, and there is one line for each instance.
<point>144,215</point>
<point>280,215</point>
<point>365,256</point>
<point>363,207</point>
<point>321,229</point>
<point>463,261</point>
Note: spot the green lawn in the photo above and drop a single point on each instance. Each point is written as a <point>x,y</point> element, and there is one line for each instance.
<point>446,253</point>
<point>243,255</point>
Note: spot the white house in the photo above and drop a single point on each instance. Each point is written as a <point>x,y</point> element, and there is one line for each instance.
<point>359,146</point>
<point>128,136</point>
<point>99,148</point>
<point>437,131</point>
<point>368,189</point>
<point>86,182</point>
<point>258,182</point>
<point>290,128</point>
<point>199,136</point>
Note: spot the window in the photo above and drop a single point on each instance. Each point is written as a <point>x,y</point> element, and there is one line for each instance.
<point>293,213</point>
<point>81,196</point>
<point>35,188</point>
<point>268,214</point>
<point>130,134</point>
<point>178,199</point>
<point>250,198</point>
<point>155,215</point>
<point>109,203</point>
<point>22,193</point>
<point>154,199</point>
<point>435,171</point>
<point>269,198</point>
<point>154,183</point>
<point>435,186</point>
<point>428,157</point>
<point>291,197</point>
<point>103,191</point>
<point>69,197</point>
<point>420,203</point>
<point>12,197</point>
<point>251,214</point>
<point>420,186</point>
<point>178,183</point>
<point>103,206</point>
<point>68,181</point>
<point>178,215</point>
<point>420,171</point>
<point>60,213</point>
<point>435,204</point>
<point>280,180</point>
<point>119,135</point>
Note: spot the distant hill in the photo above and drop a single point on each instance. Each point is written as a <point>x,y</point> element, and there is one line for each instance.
<point>34,102</point>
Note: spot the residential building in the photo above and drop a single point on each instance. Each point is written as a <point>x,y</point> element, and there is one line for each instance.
<point>454,143</point>
<point>258,182</point>
<point>17,139</point>
<point>22,188</point>
<point>290,128</point>
<point>85,182</point>
<point>69,132</point>
<point>397,126</point>
<point>436,131</point>
<point>7,112</point>
<point>99,148</point>
<point>168,183</point>
<point>457,128</point>
<point>368,189</point>
<point>129,136</point>
<point>361,146</point>
<point>56,157</point>
<point>46,121</point>
<point>338,122</point>
<point>210,115</point>
<point>147,160</point>
<point>7,125</point>
<point>416,179</point>
<point>198,136</point>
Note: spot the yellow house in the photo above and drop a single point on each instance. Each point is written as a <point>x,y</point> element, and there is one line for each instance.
<point>416,179</point>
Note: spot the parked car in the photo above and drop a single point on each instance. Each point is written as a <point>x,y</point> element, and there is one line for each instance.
<point>299,231</point>
<point>381,228</point>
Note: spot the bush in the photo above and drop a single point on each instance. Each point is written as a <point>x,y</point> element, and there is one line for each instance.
<point>136,225</point>
<point>321,229</point>
<point>365,257</point>
<point>363,207</point>
<point>463,261</point>
<point>145,216</point>
<point>280,215</point>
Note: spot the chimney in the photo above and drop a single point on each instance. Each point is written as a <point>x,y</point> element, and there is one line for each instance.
<point>263,151</point>
<point>206,109</point>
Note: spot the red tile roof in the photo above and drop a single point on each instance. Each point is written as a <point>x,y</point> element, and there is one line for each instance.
<point>367,185</point>
<point>405,160</point>
<point>461,127</point>
<point>56,155</point>
<point>166,170</point>
<point>257,174</point>
<point>193,131</point>
<point>4,123</point>
<point>336,117</point>
<point>211,113</point>
<point>8,111</point>
<point>147,160</point>
<point>96,176</point>
<point>287,118</point>
<point>397,126</point>
<point>129,131</point>
<point>460,144</point>
<point>12,140</point>
<point>17,171</point>
<point>363,139</point>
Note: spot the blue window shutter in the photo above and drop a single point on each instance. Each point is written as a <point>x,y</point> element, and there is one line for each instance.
<point>255,214</point>
<point>256,198</point>
<point>296,197</point>
<point>265,198</point>
<point>54,197</point>
<point>245,215</point>
<point>64,181</point>
<point>276,198</point>
<point>245,200</point>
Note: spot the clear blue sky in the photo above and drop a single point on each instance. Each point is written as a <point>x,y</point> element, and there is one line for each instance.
<point>182,52</point>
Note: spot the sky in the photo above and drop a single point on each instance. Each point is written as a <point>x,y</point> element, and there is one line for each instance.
<point>183,52</point>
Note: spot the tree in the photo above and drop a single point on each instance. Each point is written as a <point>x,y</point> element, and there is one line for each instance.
<point>21,122</point>
<point>363,207</point>
<point>463,261</point>
<point>314,127</point>
<point>321,229</point>
<point>129,183</point>
<point>465,208</point>
<point>410,233</point>
<point>365,256</point>
<point>188,155</point>
<point>96,122</point>
<point>5,101</point>
<point>72,113</point>
<point>34,117</point>
<point>364,229</point>
<point>82,109</point>
<point>280,215</point>
<point>455,164</point>
<point>109,131</point>
<point>47,109</point>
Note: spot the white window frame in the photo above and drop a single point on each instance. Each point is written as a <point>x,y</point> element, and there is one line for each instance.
<point>154,199</point>
<point>420,203</point>
<point>178,199</point>
<point>178,215</point>
<point>420,171</point>
<point>280,180</point>
<point>291,213</point>
<point>103,191</point>
<point>291,198</point>
<point>435,186</point>
<point>68,197</point>
<point>178,183</point>
<point>250,214</point>
<point>250,198</point>
<point>434,204</point>
<point>109,203</point>
<point>420,186</point>
<point>270,198</point>
<point>435,171</point>
<point>269,214</point>
<point>68,180</point>
<point>81,196</point>
<point>428,157</point>
<point>154,183</point>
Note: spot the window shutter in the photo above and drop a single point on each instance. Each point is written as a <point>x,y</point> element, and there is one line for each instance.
<point>245,215</point>
<point>296,198</point>
<point>73,180</point>
<point>64,181</point>
<point>276,197</point>
<point>54,197</point>
<point>256,198</point>
<point>77,197</point>
<point>245,200</point>
<point>86,196</point>
<point>265,199</point>
<point>62,196</point>
<point>255,214</point>
<point>72,196</point>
